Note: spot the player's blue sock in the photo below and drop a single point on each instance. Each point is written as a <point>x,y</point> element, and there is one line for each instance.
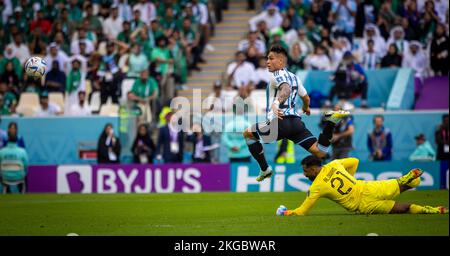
<point>256,149</point>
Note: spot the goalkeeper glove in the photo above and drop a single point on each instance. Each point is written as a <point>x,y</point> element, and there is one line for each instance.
<point>281,209</point>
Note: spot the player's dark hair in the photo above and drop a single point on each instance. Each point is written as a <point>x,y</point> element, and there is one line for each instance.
<point>311,161</point>
<point>276,48</point>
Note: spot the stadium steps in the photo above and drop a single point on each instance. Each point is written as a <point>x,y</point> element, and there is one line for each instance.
<point>228,33</point>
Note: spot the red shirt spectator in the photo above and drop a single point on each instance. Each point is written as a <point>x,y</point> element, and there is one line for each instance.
<point>42,22</point>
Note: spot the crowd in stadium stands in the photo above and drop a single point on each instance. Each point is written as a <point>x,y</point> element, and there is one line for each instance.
<point>94,46</point>
<point>360,35</point>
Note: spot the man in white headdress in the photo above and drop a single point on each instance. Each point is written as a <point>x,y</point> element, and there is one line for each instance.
<point>271,16</point>
<point>415,59</point>
<point>371,31</point>
<point>20,49</point>
<point>397,37</point>
<point>54,53</point>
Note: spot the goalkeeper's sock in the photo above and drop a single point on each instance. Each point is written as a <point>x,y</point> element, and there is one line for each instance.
<point>256,149</point>
<point>418,209</point>
<point>325,137</point>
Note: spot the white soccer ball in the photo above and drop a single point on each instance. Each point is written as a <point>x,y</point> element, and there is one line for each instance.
<point>35,67</point>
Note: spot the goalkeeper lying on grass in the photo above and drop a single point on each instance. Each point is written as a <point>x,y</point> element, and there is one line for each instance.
<point>335,181</point>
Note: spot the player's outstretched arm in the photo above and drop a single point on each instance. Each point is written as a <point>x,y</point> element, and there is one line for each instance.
<point>302,210</point>
<point>350,164</point>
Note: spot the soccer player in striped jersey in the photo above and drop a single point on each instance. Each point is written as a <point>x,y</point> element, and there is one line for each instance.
<point>282,119</point>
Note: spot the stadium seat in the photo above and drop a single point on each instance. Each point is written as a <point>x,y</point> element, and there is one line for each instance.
<point>109,110</point>
<point>127,84</point>
<point>57,98</point>
<point>95,101</point>
<point>28,103</point>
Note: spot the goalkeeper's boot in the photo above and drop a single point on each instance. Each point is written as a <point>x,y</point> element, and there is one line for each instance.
<point>264,174</point>
<point>336,116</point>
<point>409,178</point>
<point>434,210</point>
<point>442,210</point>
<point>414,183</point>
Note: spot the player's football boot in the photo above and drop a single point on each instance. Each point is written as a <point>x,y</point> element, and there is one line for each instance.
<point>336,116</point>
<point>264,174</point>
<point>408,179</point>
<point>434,210</point>
<point>414,183</point>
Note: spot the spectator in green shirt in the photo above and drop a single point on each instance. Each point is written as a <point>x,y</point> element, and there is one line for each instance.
<point>9,56</point>
<point>94,22</point>
<point>190,40</point>
<point>164,5</point>
<point>11,79</point>
<point>67,26</point>
<point>137,62</point>
<point>19,18</point>
<point>180,65</point>
<point>233,140</point>
<point>50,10</point>
<point>143,93</point>
<point>8,99</point>
<point>75,14</point>
<point>74,83</point>
<point>136,22</point>
<point>15,160</point>
<point>163,59</point>
<point>168,21</point>
<point>124,36</point>
<point>145,39</point>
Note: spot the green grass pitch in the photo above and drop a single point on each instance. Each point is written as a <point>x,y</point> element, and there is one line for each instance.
<point>206,214</point>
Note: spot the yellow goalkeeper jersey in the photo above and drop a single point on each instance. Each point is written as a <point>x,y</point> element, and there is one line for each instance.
<point>336,182</point>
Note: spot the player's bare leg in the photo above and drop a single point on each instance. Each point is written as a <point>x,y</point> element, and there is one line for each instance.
<point>256,149</point>
<point>332,118</point>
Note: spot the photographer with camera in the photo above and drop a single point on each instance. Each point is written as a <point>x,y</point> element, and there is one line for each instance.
<point>349,80</point>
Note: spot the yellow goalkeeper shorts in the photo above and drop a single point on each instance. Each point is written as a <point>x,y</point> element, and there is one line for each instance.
<point>377,196</point>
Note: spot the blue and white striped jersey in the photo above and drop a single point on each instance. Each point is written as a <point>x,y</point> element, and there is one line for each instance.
<point>279,77</point>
